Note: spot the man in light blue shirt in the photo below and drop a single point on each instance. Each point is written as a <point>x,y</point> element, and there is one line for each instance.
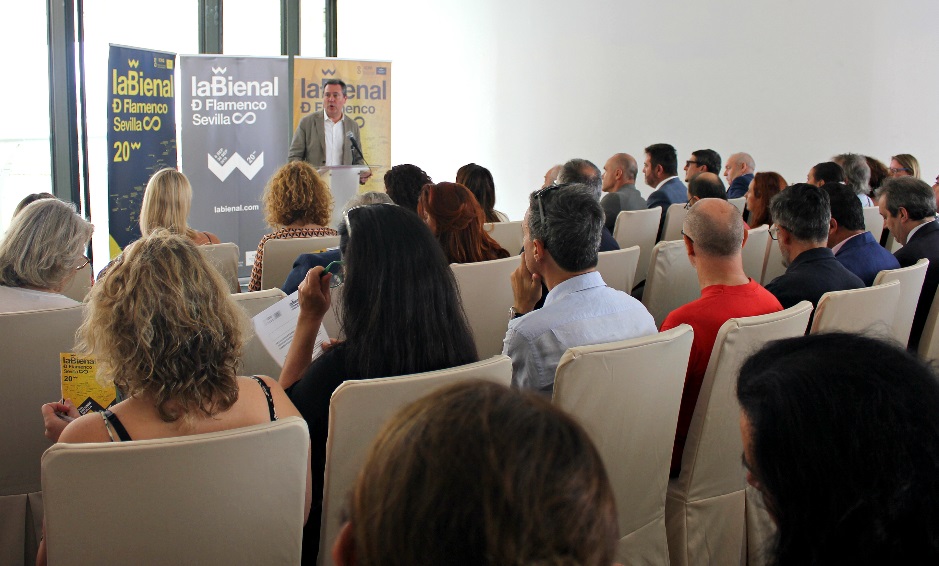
<point>561,234</point>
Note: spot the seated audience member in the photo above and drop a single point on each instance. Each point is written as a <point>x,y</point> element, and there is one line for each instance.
<point>298,201</point>
<point>479,181</point>
<point>857,175</point>
<point>165,331</point>
<point>763,187</point>
<point>451,212</point>
<point>702,161</point>
<point>29,199</point>
<point>802,214</point>
<point>403,183</point>
<point>619,184</point>
<point>660,169</point>
<point>400,313</point>
<point>307,262</point>
<point>583,172</point>
<point>739,173</point>
<point>850,241</point>
<point>714,237</point>
<point>908,206</point>
<point>705,185</point>
<point>826,172</point>
<point>41,252</point>
<point>904,165</point>
<point>166,203</point>
<point>879,172</point>
<point>840,435</point>
<point>561,230</point>
<point>479,474</point>
<point>551,177</point>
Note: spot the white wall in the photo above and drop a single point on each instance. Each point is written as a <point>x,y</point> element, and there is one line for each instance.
<point>518,85</point>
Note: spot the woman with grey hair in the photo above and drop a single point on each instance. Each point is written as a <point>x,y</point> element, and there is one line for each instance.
<point>42,250</point>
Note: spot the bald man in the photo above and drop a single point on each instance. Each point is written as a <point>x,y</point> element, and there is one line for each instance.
<point>551,176</point>
<point>714,236</point>
<point>739,172</point>
<point>619,184</point>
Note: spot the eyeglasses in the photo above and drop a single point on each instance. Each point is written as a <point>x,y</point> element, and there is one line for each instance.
<point>689,163</point>
<point>345,215</point>
<point>898,169</point>
<point>690,239</point>
<point>338,271</point>
<point>774,231</point>
<point>537,195</point>
<point>85,261</point>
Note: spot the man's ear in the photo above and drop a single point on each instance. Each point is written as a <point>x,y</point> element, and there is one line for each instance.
<point>689,246</point>
<point>902,214</point>
<point>832,227</point>
<point>746,234</point>
<point>344,549</point>
<point>537,250</point>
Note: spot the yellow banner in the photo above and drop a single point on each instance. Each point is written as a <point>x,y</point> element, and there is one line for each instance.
<point>368,89</point>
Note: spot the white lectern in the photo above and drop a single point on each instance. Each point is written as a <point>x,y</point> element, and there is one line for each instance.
<point>343,181</point>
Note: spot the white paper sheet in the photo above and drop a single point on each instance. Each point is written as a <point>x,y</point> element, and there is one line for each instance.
<point>275,327</point>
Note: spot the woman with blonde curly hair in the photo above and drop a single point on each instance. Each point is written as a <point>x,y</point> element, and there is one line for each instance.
<point>297,201</point>
<point>166,203</point>
<point>165,331</point>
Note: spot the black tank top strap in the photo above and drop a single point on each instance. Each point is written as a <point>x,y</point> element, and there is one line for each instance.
<point>267,393</point>
<point>112,422</point>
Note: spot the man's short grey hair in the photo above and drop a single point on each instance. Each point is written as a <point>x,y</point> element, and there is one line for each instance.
<point>43,245</point>
<point>362,199</point>
<point>628,164</point>
<point>857,173</point>
<point>744,158</point>
<point>717,232</point>
<point>572,225</point>
<point>913,194</point>
<point>582,172</point>
<point>804,210</point>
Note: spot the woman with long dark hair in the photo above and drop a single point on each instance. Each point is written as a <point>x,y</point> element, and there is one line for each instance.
<point>763,188</point>
<point>454,216</point>
<point>400,313</point>
<point>479,181</point>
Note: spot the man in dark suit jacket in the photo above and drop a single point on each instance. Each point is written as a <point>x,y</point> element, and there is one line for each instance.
<point>908,206</point>
<point>802,215</point>
<point>661,172</point>
<point>619,184</point>
<point>849,240</point>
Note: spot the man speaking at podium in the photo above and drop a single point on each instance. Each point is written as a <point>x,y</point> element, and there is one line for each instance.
<point>329,137</point>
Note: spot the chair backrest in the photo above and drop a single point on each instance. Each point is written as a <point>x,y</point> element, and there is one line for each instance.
<point>739,202</point>
<point>929,341</point>
<point>179,500</point>
<point>671,281</point>
<point>225,258</point>
<point>79,286</point>
<point>626,379</point>
<point>256,359</point>
<point>674,218</point>
<point>357,411</point>
<point>486,292</point>
<point>754,252</point>
<point>638,228</point>
<point>773,265</point>
<point>507,234</point>
<point>911,285</point>
<point>279,256</point>
<point>618,267</point>
<point>869,310</point>
<point>873,221</point>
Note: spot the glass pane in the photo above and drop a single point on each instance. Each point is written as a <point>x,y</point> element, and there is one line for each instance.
<point>312,28</point>
<point>25,155</point>
<point>251,27</point>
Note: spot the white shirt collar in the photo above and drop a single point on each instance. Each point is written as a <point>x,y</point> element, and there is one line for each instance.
<point>659,186</point>
<point>838,246</point>
<point>913,231</point>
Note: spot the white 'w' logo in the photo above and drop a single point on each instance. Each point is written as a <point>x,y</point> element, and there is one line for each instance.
<point>236,162</point>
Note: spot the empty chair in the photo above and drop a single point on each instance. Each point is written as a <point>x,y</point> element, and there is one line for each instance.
<point>638,228</point>
<point>911,284</point>
<point>177,500</point>
<point>754,252</point>
<point>773,265</point>
<point>618,267</point>
<point>507,234</point>
<point>674,218</point>
<point>79,285</point>
<point>486,292</point>
<point>257,360</point>
<point>705,505</point>
<point>873,221</point>
<point>357,411</point>
<point>29,371</point>
<point>869,310</point>
<point>279,256</point>
<point>739,202</point>
<point>640,381</point>
<point>225,258</point>
<point>671,281</point>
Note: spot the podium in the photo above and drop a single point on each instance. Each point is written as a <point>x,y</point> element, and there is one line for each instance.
<point>343,181</point>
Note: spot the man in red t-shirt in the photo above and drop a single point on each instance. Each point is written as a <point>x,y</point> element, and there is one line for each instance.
<point>714,236</point>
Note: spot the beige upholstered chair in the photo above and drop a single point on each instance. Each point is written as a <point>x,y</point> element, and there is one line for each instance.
<point>705,506</point>
<point>873,221</point>
<point>761,529</point>
<point>739,202</point>
<point>674,218</point>
<point>773,266</point>
<point>225,258</point>
<point>618,267</point>
<point>626,395</point>
<point>869,310</point>
<point>358,410</point>
<point>79,286</point>
<point>279,256</point>
<point>911,284</point>
<point>230,497</point>
<point>30,375</point>
<point>257,360</point>
<point>929,341</point>
<point>754,252</point>
<point>671,281</point>
<point>507,234</point>
<point>486,291</point>
<point>638,228</point>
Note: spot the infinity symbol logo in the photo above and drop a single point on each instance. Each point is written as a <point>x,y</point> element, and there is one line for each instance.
<point>247,118</point>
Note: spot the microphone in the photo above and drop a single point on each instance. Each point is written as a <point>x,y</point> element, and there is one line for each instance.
<point>355,144</point>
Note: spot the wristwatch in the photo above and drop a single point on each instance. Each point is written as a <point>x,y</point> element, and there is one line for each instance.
<point>513,313</point>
